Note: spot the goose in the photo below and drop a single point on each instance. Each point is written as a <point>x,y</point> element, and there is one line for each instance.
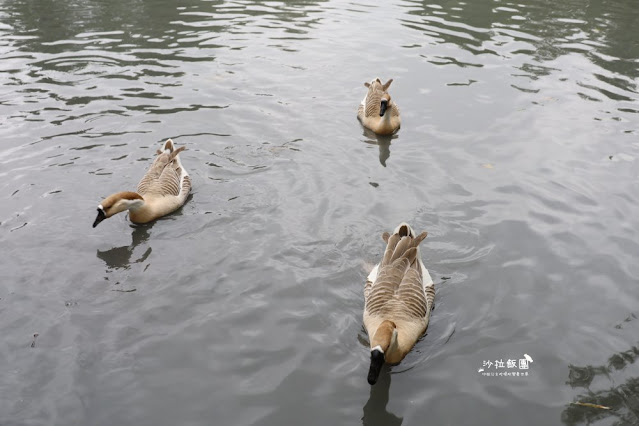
<point>163,189</point>
<point>399,296</point>
<point>377,111</point>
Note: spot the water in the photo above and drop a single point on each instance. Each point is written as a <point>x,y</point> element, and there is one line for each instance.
<point>518,154</point>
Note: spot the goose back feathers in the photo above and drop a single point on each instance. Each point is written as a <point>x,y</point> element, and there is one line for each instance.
<point>399,295</point>
<point>377,111</point>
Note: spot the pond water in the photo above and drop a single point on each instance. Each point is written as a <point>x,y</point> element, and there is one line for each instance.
<point>517,153</point>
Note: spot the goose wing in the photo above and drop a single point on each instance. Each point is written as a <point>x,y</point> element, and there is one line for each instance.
<point>150,179</point>
<point>394,110</point>
<point>371,105</point>
<point>398,288</point>
<point>411,293</point>
<point>166,177</point>
<point>373,101</point>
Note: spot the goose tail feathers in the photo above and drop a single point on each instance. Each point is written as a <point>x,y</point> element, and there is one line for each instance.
<point>168,146</point>
<point>404,230</point>
<point>402,243</point>
<point>173,153</point>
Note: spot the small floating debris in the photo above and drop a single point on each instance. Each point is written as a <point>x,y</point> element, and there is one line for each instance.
<point>125,291</point>
<point>621,156</point>
<point>18,227</point>
<point>588,404</point>
<point>35,336</point>
<point>374,184</point>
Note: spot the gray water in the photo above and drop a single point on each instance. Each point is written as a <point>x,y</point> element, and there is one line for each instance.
<point>517,153</point>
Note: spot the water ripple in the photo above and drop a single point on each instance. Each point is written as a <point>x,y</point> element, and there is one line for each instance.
<point>517,154</point>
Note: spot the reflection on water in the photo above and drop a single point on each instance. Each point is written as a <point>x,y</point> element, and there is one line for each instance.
<point>152,24</point>
<point>383,141</point>
<point>375,412</point>
<point>622,399</point>
<point>120,257</point>
<point>530,196</point>
<point>120,59</point>
<point>532,34</point>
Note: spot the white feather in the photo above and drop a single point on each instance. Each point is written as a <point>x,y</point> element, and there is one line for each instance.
<point>373,274</point>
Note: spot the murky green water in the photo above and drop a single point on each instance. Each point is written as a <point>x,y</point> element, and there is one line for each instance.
<point>517,153</point>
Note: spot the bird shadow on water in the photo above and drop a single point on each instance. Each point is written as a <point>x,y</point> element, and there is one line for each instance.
<point>375,412</point>
<point>382,141</point>
<point>120,257</point>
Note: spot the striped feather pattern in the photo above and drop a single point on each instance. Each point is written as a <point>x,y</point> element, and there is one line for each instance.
<point>398,291</point>
<point>374,100</point>
<point>370,108</point>
<point>164,177</point>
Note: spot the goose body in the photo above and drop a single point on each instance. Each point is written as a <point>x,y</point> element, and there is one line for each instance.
<point>399,295</point>
<point>163,189</point>
<point>377,111</point>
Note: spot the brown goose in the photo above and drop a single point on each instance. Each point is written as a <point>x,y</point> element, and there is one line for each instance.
<point>377,111</point>
<point>399,296</point>
<point>163,189</point>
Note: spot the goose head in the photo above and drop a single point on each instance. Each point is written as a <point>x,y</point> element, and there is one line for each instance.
<point>117,203</point>
<point>383,341</point>
<point>385,104</point>
<point>376,85</point>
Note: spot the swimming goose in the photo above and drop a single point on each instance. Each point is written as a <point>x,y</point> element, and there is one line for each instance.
<point>399,296</point>
<point>162,190</point>
<point>377,111</point>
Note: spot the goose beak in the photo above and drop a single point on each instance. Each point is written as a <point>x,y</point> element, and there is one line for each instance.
<point>382,108</point>
<point>100,218</point>
<point>377,360</point>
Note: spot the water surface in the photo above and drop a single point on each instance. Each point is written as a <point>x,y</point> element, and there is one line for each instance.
<point>517,154</point>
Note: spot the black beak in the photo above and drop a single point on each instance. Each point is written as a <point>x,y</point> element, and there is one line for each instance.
<point>377,360</point>
<point>100,218</point>
<point>382,107</point>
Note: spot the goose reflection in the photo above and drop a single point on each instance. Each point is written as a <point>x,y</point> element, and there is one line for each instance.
<point>383,141</point>
<point>120,257</point>
<point>375,412</point>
